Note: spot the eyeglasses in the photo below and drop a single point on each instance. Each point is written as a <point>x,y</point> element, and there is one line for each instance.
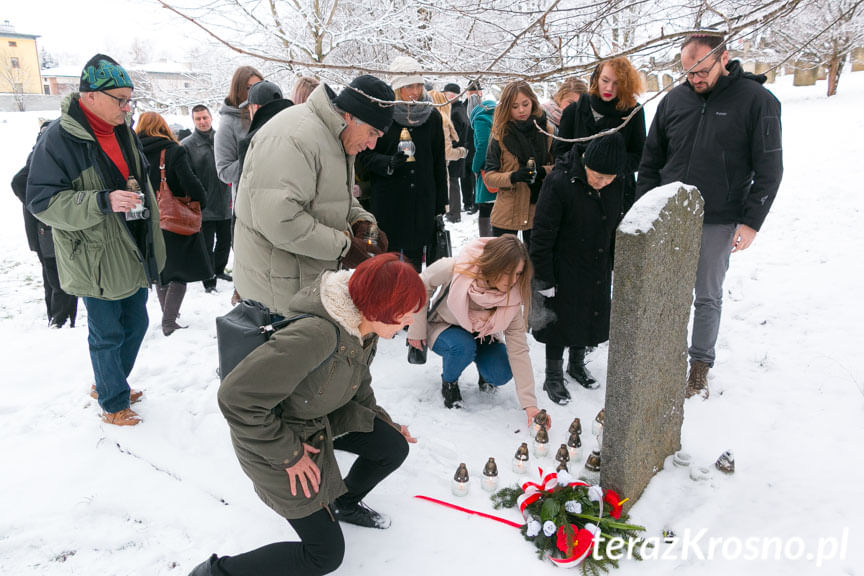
<point>121,102</point>
<point>702,74</point>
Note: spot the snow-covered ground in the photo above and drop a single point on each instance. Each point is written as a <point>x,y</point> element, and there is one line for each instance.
<point>80,497</point>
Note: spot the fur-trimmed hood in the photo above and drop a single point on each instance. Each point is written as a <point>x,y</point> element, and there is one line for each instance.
<point>329,298</point>
<point>337,301</point>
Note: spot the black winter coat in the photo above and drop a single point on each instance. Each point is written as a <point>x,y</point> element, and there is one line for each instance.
<point>574,226</point>
<point>459,117</point>
<point>579,120</point>
<point>728,145</point>
<point>187,259</point>
<point>203,162</point>
<point>406,202</point>
<point>38,233</point>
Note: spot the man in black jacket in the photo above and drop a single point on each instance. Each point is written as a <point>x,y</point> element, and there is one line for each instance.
<point>216,216</point>
<point>720,131</point>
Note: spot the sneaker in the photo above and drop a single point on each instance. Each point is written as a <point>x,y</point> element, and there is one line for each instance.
<point>210,290</point>
<point>361,515</point>
<point>125,417</point>
<point>134,395</point>
<point>697,380</point>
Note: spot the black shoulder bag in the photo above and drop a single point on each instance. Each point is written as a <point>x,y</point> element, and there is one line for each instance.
<point>243,329</point>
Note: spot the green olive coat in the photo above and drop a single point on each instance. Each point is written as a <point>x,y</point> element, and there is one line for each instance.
<point>308,384</point>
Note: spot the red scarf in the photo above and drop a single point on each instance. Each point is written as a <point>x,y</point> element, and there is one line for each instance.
<point>107,140</point>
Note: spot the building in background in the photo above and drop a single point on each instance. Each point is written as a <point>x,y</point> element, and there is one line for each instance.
<point>19,64</point>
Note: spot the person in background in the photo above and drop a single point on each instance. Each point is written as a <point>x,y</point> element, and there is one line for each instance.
<point>615,86</point>
<point>407,196</point>
<point>296,216</point>
<point>306,393</point>
<point>264,102</point>
<point>517,160</point>
<point>187,257</point>
<point>453,153</point>
<point>575,222</point>
<point>233,125</point>
<point>721,132</point>
<point>480,316</point>
<point>59,305</point>
<point>569,92</point>
<point>482,117</point>
<point>473,96</point>
<point>216,210</point>
<point>459,118</point>
<point>88,181</point>
<point>303,88</point>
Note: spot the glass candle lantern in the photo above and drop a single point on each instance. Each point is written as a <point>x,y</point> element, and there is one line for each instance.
<point>489,482</point>
<point>461,484</point>
<point>520,459</point>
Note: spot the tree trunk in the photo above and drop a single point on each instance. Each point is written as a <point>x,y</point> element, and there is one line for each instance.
<point>835,67</point>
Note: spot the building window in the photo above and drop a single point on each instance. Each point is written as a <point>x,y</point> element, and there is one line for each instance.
<point>15,63</point>
<point>12,44</point>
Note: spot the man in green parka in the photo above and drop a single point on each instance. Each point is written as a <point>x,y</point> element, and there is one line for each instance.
<point>107,239</point>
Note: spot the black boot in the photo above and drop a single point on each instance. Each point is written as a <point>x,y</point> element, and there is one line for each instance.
<point>485,386</point>
<point>171,308</point>
<point>452,394</point>
<point>554,384</point>
<point>576,369</point>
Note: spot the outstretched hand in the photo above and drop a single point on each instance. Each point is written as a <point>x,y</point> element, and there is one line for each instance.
<point>305,472</point>
<point>532,411</point>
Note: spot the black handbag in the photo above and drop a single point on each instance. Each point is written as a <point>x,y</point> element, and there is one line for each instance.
<point>247,326</point>
<point>415,355</point>
<point>443,248</point>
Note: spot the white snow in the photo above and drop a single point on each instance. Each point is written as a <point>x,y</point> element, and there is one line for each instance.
<point>646,210</point>
<point>78,497</point>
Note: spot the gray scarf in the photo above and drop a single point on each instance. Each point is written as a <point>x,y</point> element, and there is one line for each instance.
<point>412,114</point>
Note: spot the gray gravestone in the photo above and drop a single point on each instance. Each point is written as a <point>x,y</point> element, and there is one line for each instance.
<point>656,253</point>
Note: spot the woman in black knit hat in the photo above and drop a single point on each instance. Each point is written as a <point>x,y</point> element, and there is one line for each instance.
<point>574,224</point>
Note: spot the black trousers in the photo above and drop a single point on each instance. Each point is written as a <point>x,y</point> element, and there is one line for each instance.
<point>59,305</point>
<point>220,232</point>
<point>322,545</point>
<point>526,235</point>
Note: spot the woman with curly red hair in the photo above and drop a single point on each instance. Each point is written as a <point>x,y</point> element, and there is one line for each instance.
<point>307,392</point>
<point>615,85</point>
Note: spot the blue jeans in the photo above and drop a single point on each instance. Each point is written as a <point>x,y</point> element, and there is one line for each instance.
<point>458,348</point>
<point>117,328</point>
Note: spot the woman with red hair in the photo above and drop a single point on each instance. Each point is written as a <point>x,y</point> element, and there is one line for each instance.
<point>615,85</point>
<point>306,392</point>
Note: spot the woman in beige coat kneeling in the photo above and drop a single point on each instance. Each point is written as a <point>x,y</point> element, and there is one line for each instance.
<point>481,318</point>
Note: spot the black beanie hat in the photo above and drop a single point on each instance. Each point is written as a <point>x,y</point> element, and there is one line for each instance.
<point>372,113</point>
<point>103,73</point>
<point>452,87</point>
<point>606,155</point>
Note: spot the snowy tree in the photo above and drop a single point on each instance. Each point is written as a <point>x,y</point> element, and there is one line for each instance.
<point>822,34</point>
<point>536,40</point>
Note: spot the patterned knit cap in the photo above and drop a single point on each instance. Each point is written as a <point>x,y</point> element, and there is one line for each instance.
<point>103,73</point>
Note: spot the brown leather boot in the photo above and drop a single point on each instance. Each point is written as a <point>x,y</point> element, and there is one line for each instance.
<point>697,380</point>
<point>125,417</point>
